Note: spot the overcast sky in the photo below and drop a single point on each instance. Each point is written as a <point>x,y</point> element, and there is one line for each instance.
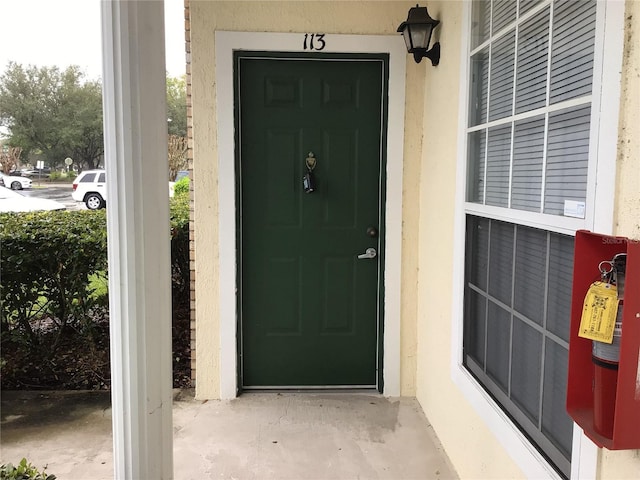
<point>67,32</point>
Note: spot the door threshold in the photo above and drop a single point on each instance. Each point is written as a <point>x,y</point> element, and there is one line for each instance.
<point>347,389</point>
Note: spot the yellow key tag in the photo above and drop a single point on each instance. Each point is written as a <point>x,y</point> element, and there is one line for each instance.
<point>599,312</point>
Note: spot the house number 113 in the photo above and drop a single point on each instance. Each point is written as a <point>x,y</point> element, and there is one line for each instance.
<point>313,41</point>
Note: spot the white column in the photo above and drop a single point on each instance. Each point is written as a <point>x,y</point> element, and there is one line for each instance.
<point>135,125</point>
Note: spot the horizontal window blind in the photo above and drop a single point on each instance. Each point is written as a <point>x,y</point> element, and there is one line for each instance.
<point>567,158</point>
<point>531,268</point>
<point>556,424</point>
<point>503,13</point>
<point>502,71</point>
<point>528,151</point>
<point>525,372</point>
<point>480,23</point>
<point>560,278</point>
<point>498,164</point>
<point>500,261</point>
<point>533,54</point>
<point>526,5</point>
<point>572,51</point>
<point>528,137</point>
<point>510,342</point>
<point>477,150</point>
<point>539,69</point>
<point>479,86</point>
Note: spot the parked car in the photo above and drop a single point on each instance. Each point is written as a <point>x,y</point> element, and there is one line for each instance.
<point>90,187</point>
<point>13,182</point>
<point>11,201</point>
<point>42,173</point>
<point>181,174</point>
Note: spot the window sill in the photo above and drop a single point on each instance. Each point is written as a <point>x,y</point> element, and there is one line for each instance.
<point>508,436</point>
<point>523,453</point>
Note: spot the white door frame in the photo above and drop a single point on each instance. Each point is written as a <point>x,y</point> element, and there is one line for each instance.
<point>225,44</point>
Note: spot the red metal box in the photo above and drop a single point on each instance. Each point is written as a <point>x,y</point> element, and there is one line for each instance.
<point>596,397</point>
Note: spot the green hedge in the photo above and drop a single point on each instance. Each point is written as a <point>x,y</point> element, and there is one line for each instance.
<point>46,260</point>
<point>180,268</point>
<point>54,275</point>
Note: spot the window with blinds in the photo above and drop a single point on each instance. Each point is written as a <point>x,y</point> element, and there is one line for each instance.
<point>517,302</point>
<point>531,68</point>
<point>530,98</point>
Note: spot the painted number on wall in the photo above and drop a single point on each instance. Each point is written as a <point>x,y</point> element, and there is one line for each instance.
<point>313,41</point>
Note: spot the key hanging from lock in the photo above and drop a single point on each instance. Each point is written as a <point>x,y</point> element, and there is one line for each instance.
<point>309,179</point>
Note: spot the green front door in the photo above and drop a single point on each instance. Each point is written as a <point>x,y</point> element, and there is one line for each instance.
<point>310,310</point>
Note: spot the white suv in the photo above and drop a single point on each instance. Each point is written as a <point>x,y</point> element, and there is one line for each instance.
<point>90,187</point>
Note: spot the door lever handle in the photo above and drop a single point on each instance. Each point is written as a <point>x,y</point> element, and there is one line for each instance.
<point>369,253</point>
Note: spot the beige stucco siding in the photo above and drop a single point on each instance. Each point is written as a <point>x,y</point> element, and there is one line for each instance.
<point>431,183</point>
<point>207,17</point>
<point>471,447</point>
<point>205,204</point>
<point>626,464</point>
<point>627,215</point>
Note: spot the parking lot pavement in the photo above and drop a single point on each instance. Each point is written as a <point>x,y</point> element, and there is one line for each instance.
<point>60,192</point>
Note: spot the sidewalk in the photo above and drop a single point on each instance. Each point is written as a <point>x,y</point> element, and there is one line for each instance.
<point>46,183</point>
<point>257,436</point>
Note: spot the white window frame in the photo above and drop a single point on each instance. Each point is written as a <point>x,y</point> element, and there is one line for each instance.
<point>600,203</point>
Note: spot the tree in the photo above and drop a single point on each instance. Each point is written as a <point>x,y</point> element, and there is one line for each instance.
<point>90,147</point>
<point>9,158</point>
<point>177,151</point>
<point>53,111</point>
<point>57,114</point>
<point>177,106</point>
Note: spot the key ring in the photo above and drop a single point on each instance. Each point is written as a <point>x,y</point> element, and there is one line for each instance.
<point>603,271</point>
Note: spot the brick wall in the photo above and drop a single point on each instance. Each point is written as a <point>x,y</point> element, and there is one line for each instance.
<point>192,252</point>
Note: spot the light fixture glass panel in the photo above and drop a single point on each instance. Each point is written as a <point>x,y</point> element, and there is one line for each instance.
<point>420,35</point>
<point>407,37</point>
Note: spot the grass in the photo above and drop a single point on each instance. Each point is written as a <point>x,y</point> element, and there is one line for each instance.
<point>98,284</point>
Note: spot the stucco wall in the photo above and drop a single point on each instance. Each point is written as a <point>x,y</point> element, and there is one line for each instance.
<point>471,447</point>
<point>429,179</point>
<point>627,214</point>
<point>626,464</point>
<point>345,17</point>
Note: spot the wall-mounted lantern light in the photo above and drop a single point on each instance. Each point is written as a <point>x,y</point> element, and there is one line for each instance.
<point>417,32</point>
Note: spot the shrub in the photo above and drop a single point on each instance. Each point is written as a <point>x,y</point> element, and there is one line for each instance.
<point>46,260</point>
<point>55,176</point>
<point>24,471</point>
<point>181,186</point>
<point>180,269</point>
<point>54,294</point>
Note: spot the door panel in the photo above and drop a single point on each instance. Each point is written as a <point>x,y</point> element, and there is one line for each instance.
<point>309,307</point>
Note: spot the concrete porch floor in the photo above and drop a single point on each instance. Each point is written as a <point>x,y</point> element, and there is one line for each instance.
<point>257,436</point>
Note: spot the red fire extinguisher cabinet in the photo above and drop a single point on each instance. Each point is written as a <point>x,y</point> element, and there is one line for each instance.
<point>623,408</point>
